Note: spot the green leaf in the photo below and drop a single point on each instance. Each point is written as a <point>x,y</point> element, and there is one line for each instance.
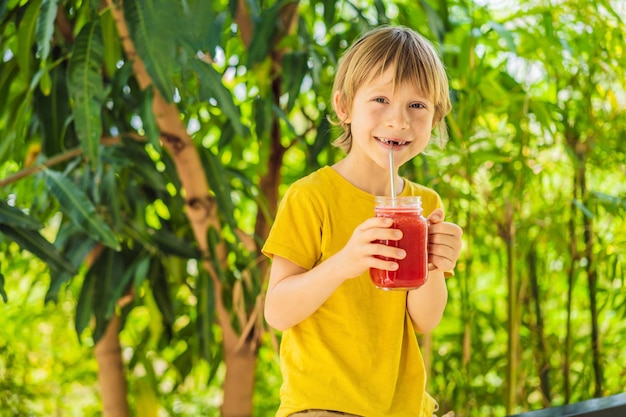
<point>211,86</point>
<point>202,30</point>
<point>84,305</point>
<point>110,281</point>
<point>9,73</point>
<point>71,240</point>
<point>227,134</point>
<point>114,276</point>
<point>281,115</point>
<point>111,196</point>
<point>154,40</point>
<point>214,240</point>
<point>322,139</point>
<point>149,121</point>
<point>262,117</point>
<point>169,243</point>
<point>206,313</point>
<point>504,34</point>
<point>13,216</point>
<point>25,35</point>
<point>581,206</point>
<point>161,292</point>
<point>86,88</point>
<point>33,242</point>
<point>142,269</point>
<point>381,12</point>
<point>45,85</point>
<point>219,181</point>
<point>3,10</point>
<point>144,167</point>
<point>111,43</point>
<point>612,203</point>
<point>265,27</point>
<point>437,25</point>
<point>329,12</point>
<point>45,27</point>
<point>215,363</point>
<point>77,206</point>
<point>294,69</point>
<point>54,114</point>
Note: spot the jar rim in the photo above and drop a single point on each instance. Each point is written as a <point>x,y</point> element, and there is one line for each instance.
<point>400,201</point>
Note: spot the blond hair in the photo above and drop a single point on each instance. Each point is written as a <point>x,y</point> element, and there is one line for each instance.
<point>414,60</point>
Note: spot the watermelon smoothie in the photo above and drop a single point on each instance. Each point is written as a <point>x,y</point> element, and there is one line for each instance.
<point>412,272</point>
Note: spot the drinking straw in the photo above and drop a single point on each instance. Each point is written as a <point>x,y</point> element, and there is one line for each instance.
<point>392,178</point>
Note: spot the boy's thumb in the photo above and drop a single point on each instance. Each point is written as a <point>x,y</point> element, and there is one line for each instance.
<point>436,216</point>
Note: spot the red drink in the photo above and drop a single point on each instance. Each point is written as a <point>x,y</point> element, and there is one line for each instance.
<point>412,273</point>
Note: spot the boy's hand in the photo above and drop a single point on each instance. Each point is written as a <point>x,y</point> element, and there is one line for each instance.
<point>444,242</point>
<point>361,251</point>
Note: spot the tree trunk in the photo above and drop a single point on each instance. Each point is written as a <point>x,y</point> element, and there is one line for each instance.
<point>201,210</point>
<point>239,380</point>
<point>111,375</point>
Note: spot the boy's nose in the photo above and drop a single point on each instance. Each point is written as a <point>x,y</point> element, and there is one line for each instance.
<point>397,118</point>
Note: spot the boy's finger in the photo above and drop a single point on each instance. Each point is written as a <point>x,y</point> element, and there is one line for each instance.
<point>375,222</point>
<point>436,216</point>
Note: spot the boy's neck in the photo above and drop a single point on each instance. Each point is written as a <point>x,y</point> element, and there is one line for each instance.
<point>373,180</point>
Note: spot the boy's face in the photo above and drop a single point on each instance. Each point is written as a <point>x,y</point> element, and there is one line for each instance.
<point>380,116</point>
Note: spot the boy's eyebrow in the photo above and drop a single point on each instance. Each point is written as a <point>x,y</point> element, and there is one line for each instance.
<point>387,89</point>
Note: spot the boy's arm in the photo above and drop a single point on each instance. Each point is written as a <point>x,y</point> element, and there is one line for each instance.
<point>294,293</point>
<point>427,303</point>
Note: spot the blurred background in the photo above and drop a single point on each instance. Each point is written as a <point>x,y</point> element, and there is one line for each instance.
<point>144,146</point>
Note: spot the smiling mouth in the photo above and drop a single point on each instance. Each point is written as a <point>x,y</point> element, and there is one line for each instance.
<point>393,142</point>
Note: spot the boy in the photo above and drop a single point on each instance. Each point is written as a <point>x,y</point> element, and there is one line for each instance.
<point>347,347</point>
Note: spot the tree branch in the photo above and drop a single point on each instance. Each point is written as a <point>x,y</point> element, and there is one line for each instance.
<point>58,159</point>
<point>72,153</point>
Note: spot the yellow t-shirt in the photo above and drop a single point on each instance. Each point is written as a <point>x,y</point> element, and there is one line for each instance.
<point>358,352</point>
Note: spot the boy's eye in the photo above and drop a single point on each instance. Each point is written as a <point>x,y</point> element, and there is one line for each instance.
<point>417,106</point>
<point>379,100</point>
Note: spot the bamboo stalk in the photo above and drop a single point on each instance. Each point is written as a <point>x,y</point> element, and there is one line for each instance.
<point>571,277</point>
<point>512,322</point>
<point>592,280</point>
<point>541,351</point>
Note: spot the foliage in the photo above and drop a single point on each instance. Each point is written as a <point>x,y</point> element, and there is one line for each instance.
<point>532,172</point>
<point>44,370</point>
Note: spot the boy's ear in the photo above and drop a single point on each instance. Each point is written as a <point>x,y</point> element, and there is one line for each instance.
<point>340,107</point>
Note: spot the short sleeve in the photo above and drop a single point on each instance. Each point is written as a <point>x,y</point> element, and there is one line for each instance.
<point>296,234</point>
